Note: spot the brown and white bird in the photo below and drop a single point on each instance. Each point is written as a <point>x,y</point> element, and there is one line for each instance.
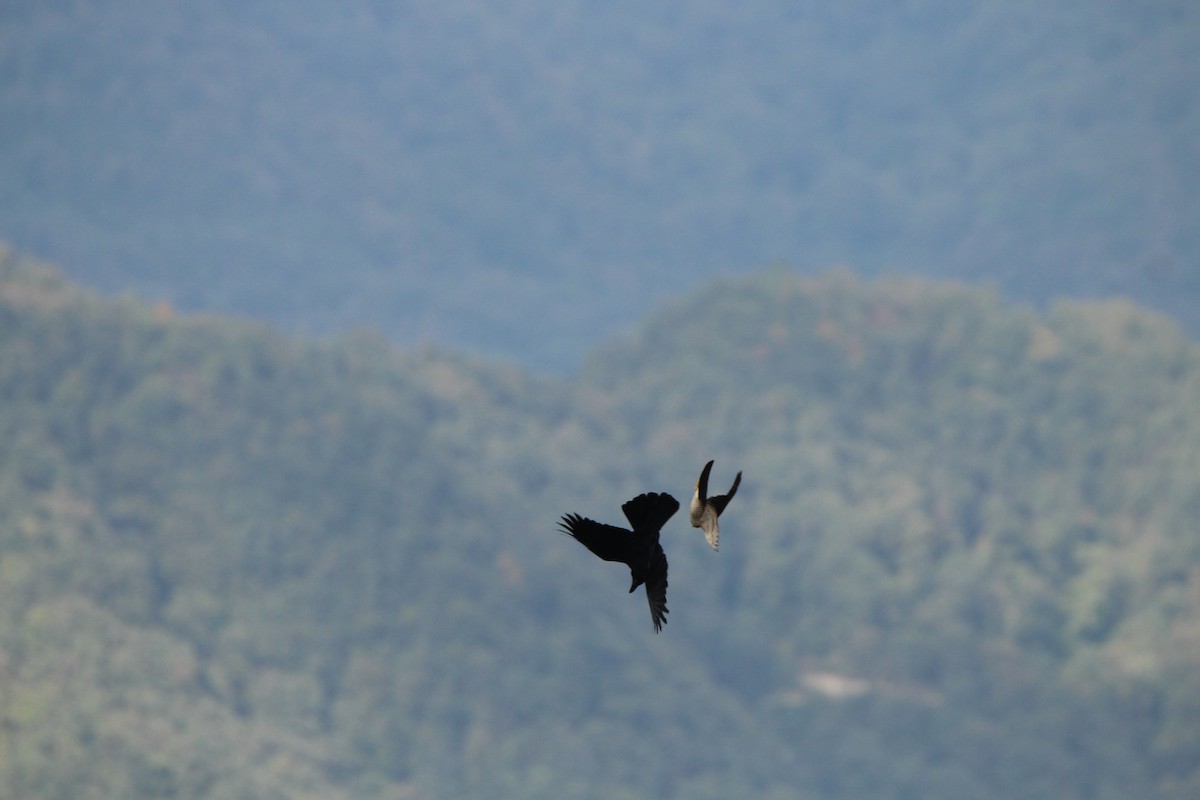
<point>705,509</point>
<point>639,548</point>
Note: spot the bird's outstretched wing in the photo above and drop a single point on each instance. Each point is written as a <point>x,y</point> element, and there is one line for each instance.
<point>702,484</point>
<point>607,541</point>
<point>656,588</point>
<point>720,501</point>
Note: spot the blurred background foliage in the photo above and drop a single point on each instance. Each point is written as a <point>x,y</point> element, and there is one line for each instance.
<point>964,560</point>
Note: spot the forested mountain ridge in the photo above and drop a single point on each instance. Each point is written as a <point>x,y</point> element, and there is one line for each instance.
<point>332,165</point>
<point>964,559</point>
<point>900,397</point>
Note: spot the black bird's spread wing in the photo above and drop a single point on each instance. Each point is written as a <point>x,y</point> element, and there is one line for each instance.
<point>607,541</point>
<point>656,588</point>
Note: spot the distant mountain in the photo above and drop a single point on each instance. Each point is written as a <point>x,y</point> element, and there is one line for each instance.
<point>527,178</point>
<point>963,561</point>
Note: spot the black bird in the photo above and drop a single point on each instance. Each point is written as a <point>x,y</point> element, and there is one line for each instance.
<point>638,549</point>
<point>705,509</point>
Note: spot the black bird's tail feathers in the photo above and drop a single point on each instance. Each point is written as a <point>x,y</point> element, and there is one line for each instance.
<point>649,512</point>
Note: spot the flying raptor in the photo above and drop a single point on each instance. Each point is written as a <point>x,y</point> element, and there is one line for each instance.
<point>639,548</point>
<point>705,509</point>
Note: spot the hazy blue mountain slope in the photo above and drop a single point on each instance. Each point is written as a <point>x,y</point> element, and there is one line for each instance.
<point>526,178</point>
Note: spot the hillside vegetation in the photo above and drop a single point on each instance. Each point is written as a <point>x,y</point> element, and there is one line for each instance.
<point>964,561</point>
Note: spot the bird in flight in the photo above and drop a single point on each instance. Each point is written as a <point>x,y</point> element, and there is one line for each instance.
<point>705,509</point>
<point>639,548</point>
